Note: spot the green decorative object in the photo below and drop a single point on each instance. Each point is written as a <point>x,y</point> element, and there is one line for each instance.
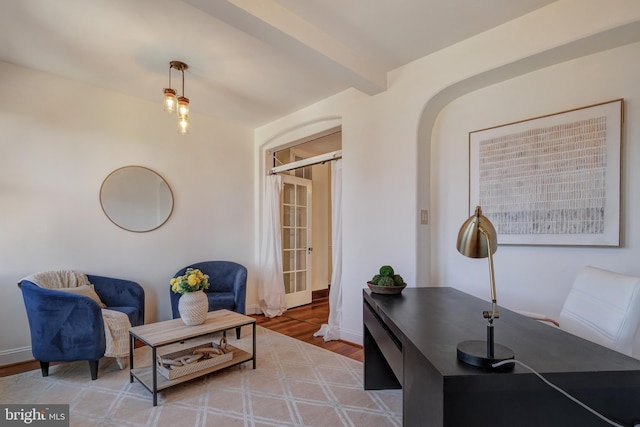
<point>386,271</point>
<point>386,281</point>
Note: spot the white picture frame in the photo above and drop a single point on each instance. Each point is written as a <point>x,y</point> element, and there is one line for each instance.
<point>551,180</point>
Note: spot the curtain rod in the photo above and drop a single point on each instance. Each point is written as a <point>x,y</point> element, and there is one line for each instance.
<point>327,157</point>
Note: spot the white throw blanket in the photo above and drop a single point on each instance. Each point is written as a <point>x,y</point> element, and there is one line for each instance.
<point>116,323</point>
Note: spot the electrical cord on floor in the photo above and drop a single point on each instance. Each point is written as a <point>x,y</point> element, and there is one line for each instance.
<point>555,387</point>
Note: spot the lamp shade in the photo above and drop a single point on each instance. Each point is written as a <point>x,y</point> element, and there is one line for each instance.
<point>476,236</point>
<point>183,115</point>
<point>169,100</point>
<point>183,108</point>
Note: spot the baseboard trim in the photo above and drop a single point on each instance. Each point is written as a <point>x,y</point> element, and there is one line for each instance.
<point>353,337</point>
<point>15,355</point>
<point>320,293</point>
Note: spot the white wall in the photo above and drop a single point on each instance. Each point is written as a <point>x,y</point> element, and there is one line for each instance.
<point>534,278</point>
<point>60,140</point>
<point>387,144</point>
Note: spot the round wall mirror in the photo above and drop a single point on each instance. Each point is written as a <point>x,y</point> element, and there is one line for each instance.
<point>136,198</point>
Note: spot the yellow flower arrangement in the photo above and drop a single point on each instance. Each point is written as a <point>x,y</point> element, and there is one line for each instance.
<point>192,280</point>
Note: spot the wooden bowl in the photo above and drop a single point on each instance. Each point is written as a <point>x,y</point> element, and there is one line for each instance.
<point>386,290</point>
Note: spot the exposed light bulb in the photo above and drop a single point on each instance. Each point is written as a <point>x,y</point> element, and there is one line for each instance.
<point>183,108</point>
<point>169,100</point>
<point>183,115</point>
<point>183,126</point>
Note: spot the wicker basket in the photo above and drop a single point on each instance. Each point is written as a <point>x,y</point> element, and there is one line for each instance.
<point>179,371</point>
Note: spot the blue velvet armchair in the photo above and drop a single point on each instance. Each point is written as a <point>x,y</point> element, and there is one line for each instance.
<point>68,327</point>
<point>227,287</point>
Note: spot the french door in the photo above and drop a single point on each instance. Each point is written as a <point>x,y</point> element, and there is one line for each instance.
<point>296,240</point>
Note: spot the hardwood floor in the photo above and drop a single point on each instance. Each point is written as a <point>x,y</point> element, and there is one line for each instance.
<point>299,323</point>
<point>302,322</point>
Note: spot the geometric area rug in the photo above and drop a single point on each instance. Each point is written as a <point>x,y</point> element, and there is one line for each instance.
<point>294,384</point>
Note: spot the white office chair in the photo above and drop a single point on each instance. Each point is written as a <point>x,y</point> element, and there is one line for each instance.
<point>603,307</point>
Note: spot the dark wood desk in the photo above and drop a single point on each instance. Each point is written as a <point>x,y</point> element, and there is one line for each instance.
<point>410,342</point>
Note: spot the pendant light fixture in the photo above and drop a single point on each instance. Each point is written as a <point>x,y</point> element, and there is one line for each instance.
<point>180,104</point>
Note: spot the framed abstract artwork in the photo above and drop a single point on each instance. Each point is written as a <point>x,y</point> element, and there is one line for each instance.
<point>551,180</point>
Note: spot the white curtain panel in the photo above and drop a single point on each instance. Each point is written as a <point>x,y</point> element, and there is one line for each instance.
<point>271,285</point>
<point>331,331</point>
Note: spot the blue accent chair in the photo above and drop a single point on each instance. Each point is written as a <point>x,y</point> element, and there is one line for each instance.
<point>227,287</point>
<point>67,327</point>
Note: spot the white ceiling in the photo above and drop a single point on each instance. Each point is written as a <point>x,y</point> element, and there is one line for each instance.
<point>250,61</point>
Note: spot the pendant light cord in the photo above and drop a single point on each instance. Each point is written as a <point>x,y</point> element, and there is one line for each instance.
<point>182,69</point>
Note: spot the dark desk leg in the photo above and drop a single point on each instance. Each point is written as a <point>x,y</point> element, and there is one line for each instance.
<point>422,394</point>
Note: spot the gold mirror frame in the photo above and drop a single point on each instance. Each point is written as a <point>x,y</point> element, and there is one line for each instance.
<point>136,198</point>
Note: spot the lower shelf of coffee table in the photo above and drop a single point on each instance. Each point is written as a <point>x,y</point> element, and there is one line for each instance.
<point>145,374</point>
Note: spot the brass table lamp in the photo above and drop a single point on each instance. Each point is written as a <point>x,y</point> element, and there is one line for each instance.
<point>478,239</point>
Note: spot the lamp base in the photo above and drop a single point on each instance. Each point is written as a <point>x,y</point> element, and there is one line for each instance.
<point>475,353</point>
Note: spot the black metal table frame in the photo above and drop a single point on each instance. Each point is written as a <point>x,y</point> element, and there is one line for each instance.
<point>154,370</point>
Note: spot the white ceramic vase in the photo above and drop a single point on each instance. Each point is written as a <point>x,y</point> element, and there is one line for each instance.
<point>193,308</point>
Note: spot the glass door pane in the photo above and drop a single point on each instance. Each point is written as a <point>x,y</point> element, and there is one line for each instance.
<point>296,239</point>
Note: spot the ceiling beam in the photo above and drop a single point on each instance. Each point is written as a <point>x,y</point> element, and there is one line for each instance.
<point>268,21</point>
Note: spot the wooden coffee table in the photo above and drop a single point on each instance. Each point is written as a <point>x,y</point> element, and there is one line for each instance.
<point>174,333</point>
